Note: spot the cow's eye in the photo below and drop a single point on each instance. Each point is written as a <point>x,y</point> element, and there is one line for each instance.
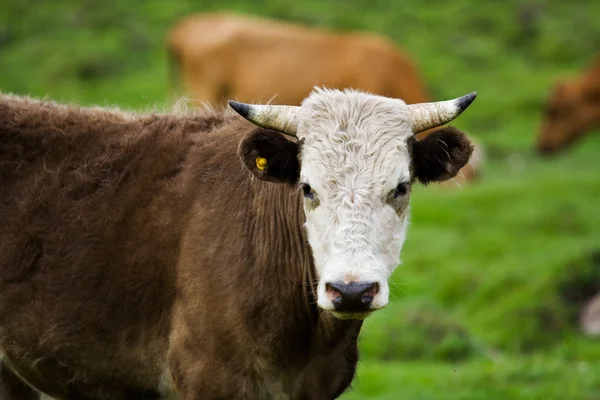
<point>401,190</point>
<point>307,190</point>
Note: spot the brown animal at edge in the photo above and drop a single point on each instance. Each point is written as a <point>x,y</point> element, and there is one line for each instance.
<point>572,111</point>
<point>139,258</point>
<point>224,56</point>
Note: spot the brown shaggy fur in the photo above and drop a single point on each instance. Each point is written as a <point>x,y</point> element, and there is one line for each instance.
<point>129,243</point>
<point>138,255</point>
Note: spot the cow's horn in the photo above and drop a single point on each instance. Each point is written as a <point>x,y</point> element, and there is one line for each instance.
<point>424,116</point>
<point>277,118</point>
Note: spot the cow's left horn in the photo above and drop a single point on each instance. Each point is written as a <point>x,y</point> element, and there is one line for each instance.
<point>277,118</point>
<point>424,116</point>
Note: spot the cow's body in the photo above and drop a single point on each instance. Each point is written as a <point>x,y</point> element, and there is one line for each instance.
<point>572,111</point>
<point>148,256</point>
<point>101,214</point>
<point>228,56</point>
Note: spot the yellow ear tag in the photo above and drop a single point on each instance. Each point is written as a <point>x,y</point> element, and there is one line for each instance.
<point>261,163</point>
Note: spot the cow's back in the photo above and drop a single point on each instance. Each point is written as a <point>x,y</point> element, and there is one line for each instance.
<point>91,207</point>
<point>375,64</point>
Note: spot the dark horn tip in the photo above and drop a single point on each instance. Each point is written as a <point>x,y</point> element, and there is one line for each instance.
<point>241,108</point>
<point>466,100</point>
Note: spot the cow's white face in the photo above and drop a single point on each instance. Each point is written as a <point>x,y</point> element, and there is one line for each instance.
<point>356,180</point>
<point>354,160</point>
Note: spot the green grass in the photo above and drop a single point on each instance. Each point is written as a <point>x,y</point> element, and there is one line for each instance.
<point>515,379</point>
<point>486,301</point>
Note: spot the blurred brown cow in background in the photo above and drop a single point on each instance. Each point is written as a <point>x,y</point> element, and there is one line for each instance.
<point>227,56</point>
<point>573,110</point>
<point>224,56</point>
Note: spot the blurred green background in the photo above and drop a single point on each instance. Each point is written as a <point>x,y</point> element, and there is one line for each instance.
<point>494,274</point>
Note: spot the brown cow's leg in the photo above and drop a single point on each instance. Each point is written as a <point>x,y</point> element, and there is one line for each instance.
<point>13,388</point>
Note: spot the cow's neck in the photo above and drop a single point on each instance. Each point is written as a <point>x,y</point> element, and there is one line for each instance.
<point>314,345</point>
<point>286,255</point>
<point>277,225</point>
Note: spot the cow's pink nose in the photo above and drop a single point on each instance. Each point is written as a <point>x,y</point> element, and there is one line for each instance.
<point>352,297</point>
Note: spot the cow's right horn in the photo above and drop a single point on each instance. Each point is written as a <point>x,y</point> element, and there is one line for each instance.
<point>277,118</point>
<point>424,116</point>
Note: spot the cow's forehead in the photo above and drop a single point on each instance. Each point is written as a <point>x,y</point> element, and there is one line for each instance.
<point>329,111</point>
<point>354,138</point>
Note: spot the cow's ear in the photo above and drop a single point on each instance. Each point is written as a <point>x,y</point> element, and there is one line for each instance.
<point>271,156</point>
<point>440,155</point>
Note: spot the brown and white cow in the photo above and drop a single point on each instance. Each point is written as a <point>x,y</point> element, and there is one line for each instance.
<point>200,256</point>
<point>573,109</point>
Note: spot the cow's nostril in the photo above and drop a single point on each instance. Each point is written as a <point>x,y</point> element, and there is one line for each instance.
<point>368,295</point>
<point>336,296</point>
<point>353,296</point>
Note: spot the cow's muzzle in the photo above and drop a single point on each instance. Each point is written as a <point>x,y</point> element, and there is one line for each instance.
<point>353,297</point>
